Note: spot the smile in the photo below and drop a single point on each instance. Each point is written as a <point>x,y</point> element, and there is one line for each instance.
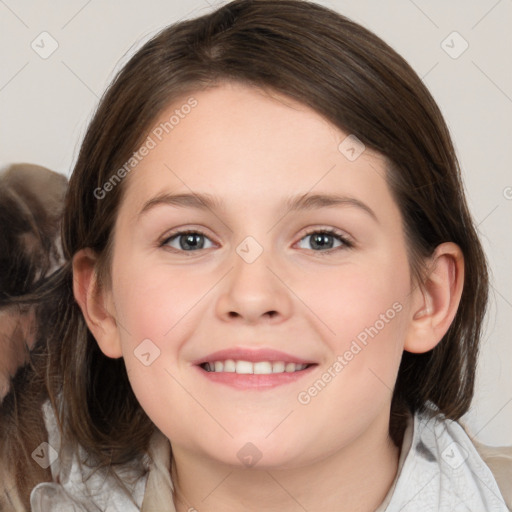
<point>256,368</point>
<point>256,376</point>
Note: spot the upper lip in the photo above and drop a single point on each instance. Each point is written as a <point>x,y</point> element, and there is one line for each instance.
<point>252,355</point>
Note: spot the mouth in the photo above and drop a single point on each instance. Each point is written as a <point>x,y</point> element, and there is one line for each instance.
<point>253,368</point>
<point>242,367</point>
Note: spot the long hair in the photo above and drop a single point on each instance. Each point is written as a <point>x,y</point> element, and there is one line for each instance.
<point>346,74</point>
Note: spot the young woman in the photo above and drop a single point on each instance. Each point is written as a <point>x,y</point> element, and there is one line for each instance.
<point>273,290</point>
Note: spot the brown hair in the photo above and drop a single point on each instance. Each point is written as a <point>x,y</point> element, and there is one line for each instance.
<point>345,73</point>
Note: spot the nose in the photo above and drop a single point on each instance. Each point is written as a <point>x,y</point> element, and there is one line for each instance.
<point>254,292</point>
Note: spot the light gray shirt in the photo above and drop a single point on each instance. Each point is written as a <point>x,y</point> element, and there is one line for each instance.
<point>439,470</point>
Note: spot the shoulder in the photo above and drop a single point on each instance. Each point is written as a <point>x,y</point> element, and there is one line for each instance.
<point>483,469</point>
<point>79,484</point>
<point>499,461</point>
<point>444,471</point>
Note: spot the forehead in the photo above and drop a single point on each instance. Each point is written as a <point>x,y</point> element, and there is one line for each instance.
<point>248,146</point>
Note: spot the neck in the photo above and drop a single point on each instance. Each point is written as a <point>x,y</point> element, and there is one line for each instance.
<point>355,478</point>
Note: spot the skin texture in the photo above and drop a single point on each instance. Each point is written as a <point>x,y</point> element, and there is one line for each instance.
<point>254,150</point>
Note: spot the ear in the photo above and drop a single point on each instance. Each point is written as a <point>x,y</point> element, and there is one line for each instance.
<point>96,303</point>
<point>436,300</point>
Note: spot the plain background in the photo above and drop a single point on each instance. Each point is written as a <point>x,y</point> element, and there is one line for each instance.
<point>45,105</point>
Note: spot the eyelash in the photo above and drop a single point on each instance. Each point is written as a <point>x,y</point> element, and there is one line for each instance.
<point>346,243</point>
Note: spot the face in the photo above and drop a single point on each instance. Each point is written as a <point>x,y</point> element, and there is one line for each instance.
<point>259,281</point>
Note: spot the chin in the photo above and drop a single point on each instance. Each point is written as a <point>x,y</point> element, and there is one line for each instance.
<point>261,454</point>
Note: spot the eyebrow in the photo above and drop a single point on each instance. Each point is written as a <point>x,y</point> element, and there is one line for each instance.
<point>295,203</point>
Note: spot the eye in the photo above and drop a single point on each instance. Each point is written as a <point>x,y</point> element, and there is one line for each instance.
<point>187,241</point>
<point>324,240</point>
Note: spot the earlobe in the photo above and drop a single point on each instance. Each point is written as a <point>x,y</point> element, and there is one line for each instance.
<point>436,301</point>
<point>95,303</point>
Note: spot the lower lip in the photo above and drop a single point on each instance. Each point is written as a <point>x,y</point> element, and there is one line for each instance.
<point>255,381</point>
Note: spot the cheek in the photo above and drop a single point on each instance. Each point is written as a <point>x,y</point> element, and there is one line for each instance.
<point>364,308</point>
<point>154,301</point>
<point>352,300</point>
<point>158,310</point>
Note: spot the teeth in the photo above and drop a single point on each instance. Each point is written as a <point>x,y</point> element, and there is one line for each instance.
<point>262,368</point>
<point>229,366</point>
<point>247,367</point>
<point>278,367</point>
<point>244,367</point>
<point>290,367</point>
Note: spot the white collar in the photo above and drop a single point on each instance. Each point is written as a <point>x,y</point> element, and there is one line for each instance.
<point>78,487</point>
<point>439,470</point>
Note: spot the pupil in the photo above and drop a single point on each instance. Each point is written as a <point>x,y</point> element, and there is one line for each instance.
<point>190,241</point>
<point>322,240</point>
